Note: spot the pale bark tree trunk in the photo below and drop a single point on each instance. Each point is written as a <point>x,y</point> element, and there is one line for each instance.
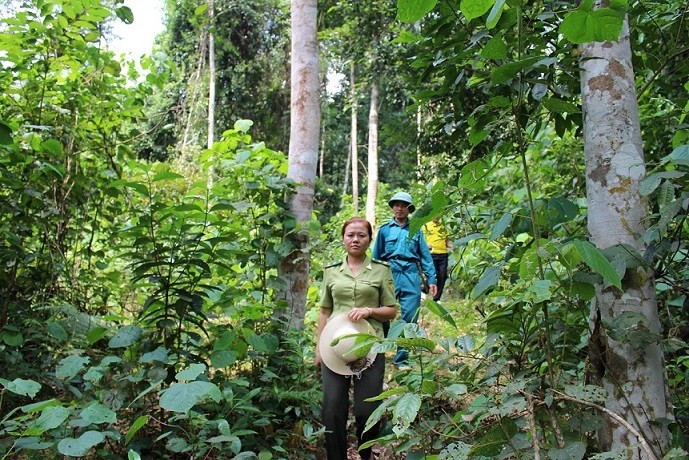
<point>211,75</point>
<point>303,153</point>
<point>354,153</point>
<point>345,185</point>
<point>372,189</point>
<point>633,375</point>
<point>419,132</point>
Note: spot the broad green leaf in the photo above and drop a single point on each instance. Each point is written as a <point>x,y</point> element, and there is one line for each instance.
<point>528,265</point>
<point>441,312</point>
<point>469,238</point>
<point>243,125</point>
<point>80,446</point>
<point>495,48</point>
<point>95,334</point>
<point>181,397</point>
<point>98,413</point>
<point>500,226</point>
<point>591,393</point>
<point>680,155</point>
<point>475,8</point>
<point>466,343</point>
<point>167,175</point>
<point>651,182</point>
<point>52,146</point>
<point>495,14</point>
<point>556,105</point>
<point>416,343</point>
<point>410,11</point>
<point>608,24</point>
<point>191,372</point>
<point>125,336</point>
<point>5,134</point>
<point>12,338</point>
<point>56,331</point>
<point>70,366</point>
<point>125,14</point>
<point>133,455</point>
<point>540,291</point>
<point>492,442</point>
<point>136,426</point>
<point>405,411</point>
<point>22,387</point>
<point>160,354</point>
<point>578,27</point>
<point>511,70</point>
<point>51,417</point>
<point>473,175</point>
<point>597,262</point>
<point>488,279</point>
<point>223,358</point>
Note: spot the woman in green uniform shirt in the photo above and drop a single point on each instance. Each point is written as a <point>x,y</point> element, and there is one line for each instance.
<point>362,289</point>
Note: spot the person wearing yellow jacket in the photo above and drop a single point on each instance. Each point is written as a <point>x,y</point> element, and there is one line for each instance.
<point>438,243</point>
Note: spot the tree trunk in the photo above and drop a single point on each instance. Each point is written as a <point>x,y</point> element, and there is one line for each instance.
<point>354,154</point>
<point>632,373</point>
<point>372,189</point>
<point>211,75</point>
<point>303,154</point>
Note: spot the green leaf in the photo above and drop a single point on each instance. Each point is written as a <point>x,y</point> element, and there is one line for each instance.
<point>5,134</point>
<point>441,312</point>
<point>70,366</point>
<point>243,125</point>
<point>52,146</point>
<point>495,48</point>
<point>495,14</point>
<point>95,334</point>
<point>191,372</point>
<point>679,156</point>
<point>125,14</point>
<point>475,8</point>
<point>51,417</point>
<point>511,70</point>
<point>488,279</point>
<point>80,446</point>
<point>167,175</point>
<point>56,331</point>
<point>500,227</point>
<point>223,358</point>
<point>492,442</point>
<point>410,11</point>
<point>556,105</point>
<point>405,411</point>
<point>22,387</point>
<point>597,262</point>
<point>97,414</point>
<point>578,27</point>
<point>126,336</point>
<point>160,354</point>
<point>181,397</point>
<point>12,338</point>
<point>583,25</point>
<point>136,426</point>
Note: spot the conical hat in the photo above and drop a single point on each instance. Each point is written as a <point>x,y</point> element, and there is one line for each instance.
<point>337,354</point>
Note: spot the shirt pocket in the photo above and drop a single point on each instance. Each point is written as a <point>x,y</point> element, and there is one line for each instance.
<point>391,244</point>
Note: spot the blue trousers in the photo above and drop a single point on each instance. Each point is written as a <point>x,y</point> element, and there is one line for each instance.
<point>408,292</point>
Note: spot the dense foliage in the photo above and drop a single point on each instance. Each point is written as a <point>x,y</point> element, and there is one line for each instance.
<point>138,296</point>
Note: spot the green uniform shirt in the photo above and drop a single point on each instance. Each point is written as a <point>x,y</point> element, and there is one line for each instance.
<point>372,287</point>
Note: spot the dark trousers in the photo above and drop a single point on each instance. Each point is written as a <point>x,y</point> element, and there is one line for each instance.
<point>336,407</point>
<point>440,262</point>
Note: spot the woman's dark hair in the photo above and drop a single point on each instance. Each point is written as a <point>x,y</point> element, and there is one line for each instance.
<point>358,220</point>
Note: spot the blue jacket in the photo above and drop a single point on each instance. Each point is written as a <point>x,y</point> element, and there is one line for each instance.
<point>394,246</point>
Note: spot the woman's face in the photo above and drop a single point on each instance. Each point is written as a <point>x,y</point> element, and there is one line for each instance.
<point>356,238</point>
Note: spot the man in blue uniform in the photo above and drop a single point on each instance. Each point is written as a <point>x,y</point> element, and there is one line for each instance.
<point>404,255</point>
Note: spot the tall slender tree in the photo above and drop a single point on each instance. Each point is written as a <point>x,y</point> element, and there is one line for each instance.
<point>632,373</point>
<point>303,153</point>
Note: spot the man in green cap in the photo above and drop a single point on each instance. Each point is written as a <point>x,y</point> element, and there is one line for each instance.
<point>405,255</point>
